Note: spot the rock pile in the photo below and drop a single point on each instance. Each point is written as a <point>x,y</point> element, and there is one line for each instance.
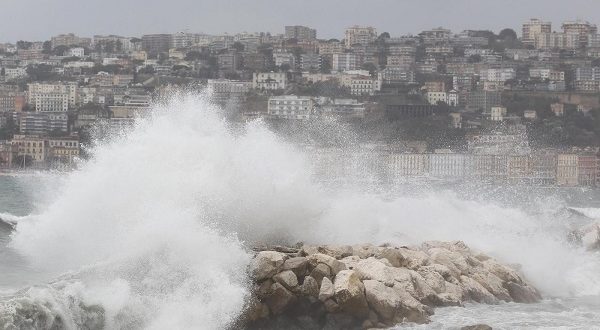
<point>367,286</point>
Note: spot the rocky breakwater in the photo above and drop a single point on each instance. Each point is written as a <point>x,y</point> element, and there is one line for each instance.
<point>367,286</point>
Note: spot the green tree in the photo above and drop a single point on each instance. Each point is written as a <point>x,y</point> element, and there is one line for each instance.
<point>238,46</point>
<point>507,34</point>
<point>47,47</point>
<point>60,50</point>
<point>372,68</point>
<point>21,44</point>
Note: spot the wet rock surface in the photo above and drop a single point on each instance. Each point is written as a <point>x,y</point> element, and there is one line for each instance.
<point>366,286</point>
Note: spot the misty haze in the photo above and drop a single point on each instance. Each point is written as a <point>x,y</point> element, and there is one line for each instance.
<point>299,164</point>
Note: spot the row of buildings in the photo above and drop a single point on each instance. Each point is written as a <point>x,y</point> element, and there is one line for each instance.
<point>40,152</point>
<point>542,168</point>
<point>545,168</point>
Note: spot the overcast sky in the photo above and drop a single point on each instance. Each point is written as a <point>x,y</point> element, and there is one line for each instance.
<point>40,19</point>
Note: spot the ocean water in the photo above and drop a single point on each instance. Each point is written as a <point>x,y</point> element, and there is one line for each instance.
<point>155,229</point>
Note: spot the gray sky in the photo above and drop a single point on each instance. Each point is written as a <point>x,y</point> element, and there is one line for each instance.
<point>40,19</point>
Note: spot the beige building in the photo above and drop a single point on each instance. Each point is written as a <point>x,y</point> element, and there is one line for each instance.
<point>533,28</point>
<point>30,148</point>
<point>360,35</point>
<point>364,85</point>
<point>63,150</point>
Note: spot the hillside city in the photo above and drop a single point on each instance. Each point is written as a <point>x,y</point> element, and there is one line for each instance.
<point>507,107</point>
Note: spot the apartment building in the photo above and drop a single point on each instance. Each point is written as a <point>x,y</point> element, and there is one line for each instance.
<point>345,62</point>
<point>42,123</point>
<point>533,28</point>
<point>53,97</point>
<point>300,32</point>
<point>567,173</point>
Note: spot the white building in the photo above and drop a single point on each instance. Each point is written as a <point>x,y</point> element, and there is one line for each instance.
<point>345,62</point>
<point>269,80</point>
<point>290,107</point>
<point>77,52</point>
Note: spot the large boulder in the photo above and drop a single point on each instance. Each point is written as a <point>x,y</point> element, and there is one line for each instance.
<point>522,293</point>
<point>349,292</point>
<point>266,264</point>
<point>373,269</point>
<point>455,261</point>
<point>279,299</point>
<point>318,258</point>
<point>288,279</point>
<point>394,256</point>
<point>297,264</point>
<point>411,310</point>
<point>320,271</point>
<point>310,287</point>
<point>382,299</point>
<point>433,278</point>
<point>364,251</point>
<point>493,284</point>
<point>335,251</point>
<point>326,290</point>
<point>414,258</point>
<point>474,291</point>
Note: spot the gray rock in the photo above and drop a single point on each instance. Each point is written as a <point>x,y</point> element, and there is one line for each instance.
<point>334,264</point>
<point>320,271</point>
<point>266,264</point>
<point>522,293</point>
<point>279,299</point>
<point>394,256</point>
<point>310,287</point>
<point>326,290</point>
<point>349,292</point>
<point>287,278</point>
<point>383,299</point>
<point>474,291</point>
<point>298,265</point>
